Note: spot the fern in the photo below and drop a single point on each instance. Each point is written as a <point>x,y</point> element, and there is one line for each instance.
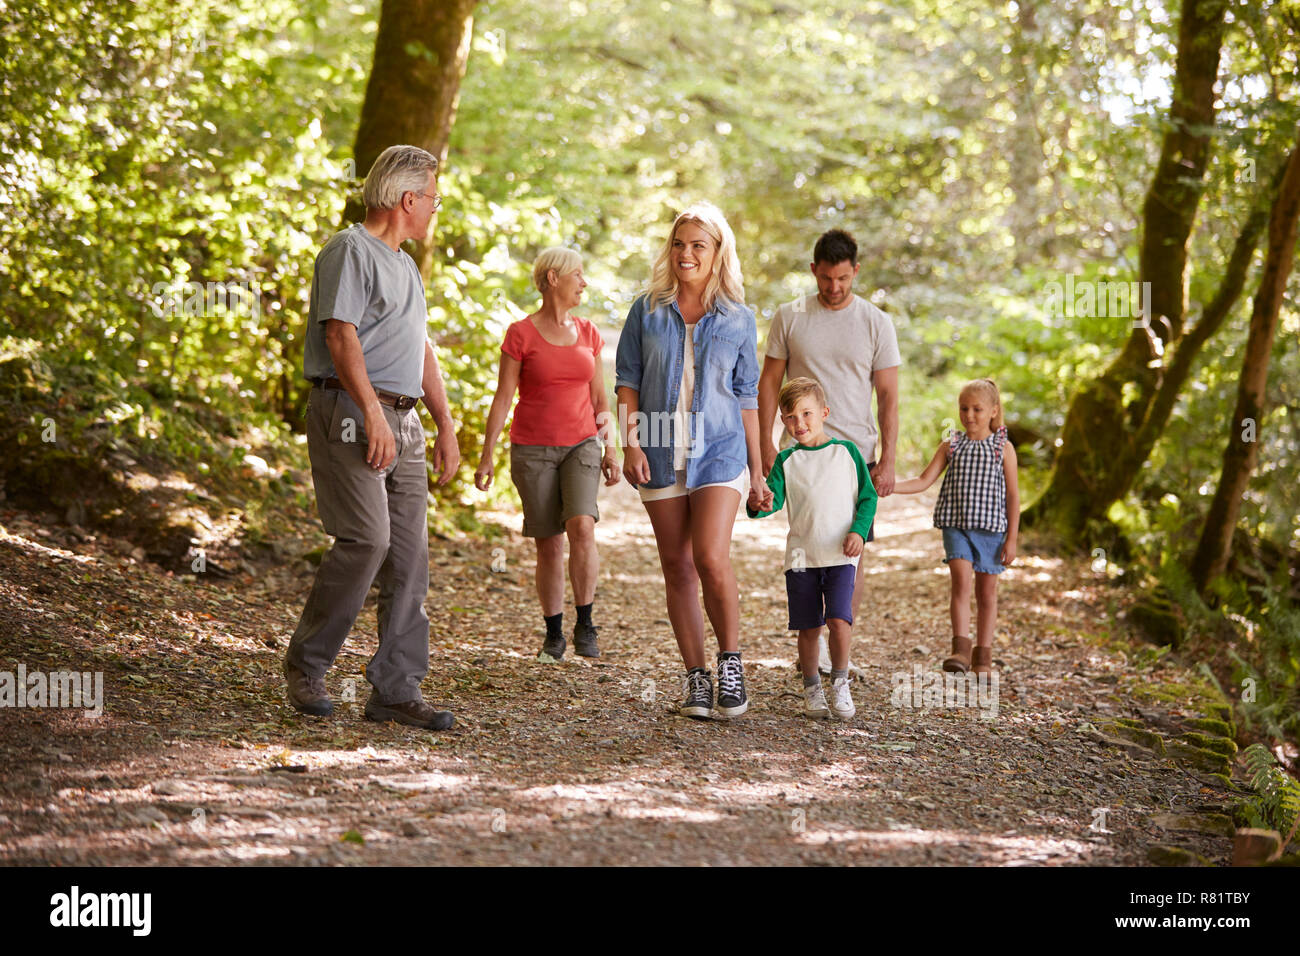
<point>1277,792</point>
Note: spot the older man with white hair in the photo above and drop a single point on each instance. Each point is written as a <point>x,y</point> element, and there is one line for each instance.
<point>370,360</point>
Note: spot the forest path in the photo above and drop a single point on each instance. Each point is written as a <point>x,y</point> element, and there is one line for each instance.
<point>197,759</point>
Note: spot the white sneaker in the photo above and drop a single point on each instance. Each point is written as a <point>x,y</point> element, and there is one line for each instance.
<point>814,702</point>
<point>842,699</point>
<point>824,654</point>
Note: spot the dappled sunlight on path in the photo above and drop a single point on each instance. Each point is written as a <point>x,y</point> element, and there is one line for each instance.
<point>198,760</point>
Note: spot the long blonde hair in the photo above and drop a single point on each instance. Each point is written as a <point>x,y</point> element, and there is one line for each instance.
<point>989,389</point>
<point>725,283</point>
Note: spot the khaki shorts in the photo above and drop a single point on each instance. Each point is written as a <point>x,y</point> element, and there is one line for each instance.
<point>556,483</point>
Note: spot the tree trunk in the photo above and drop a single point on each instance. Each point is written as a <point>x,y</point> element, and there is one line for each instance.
<point>1214,548</point>
<point>1212,318</point>
<point>1097,460</point>
<point>411,96</point>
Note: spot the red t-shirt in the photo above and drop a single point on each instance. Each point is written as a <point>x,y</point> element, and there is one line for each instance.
<point>554,385</point>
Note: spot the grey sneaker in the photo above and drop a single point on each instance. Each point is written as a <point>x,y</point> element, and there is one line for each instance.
<point>732,700</point>
<point>698,688</point>
<point>584,640</point>
<point>414,713</point>
<point>307,694</point>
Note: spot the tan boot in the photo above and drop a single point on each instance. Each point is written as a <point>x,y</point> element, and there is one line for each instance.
<point>982,661</point>
<point>414,713</point>
<point>307,694</point>
<point>959,662</point>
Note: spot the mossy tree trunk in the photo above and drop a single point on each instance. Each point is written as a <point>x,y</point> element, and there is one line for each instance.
<point>411,96</point>
<point>1215,545</point>
<point>1098,457</point>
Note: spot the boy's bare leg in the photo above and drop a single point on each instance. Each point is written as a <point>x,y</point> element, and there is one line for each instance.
<point>809,639</point>
<point>827,659</point>
<point>839,642</point>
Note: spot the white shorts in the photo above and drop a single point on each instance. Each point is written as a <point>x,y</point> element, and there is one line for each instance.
<point>678,490</point>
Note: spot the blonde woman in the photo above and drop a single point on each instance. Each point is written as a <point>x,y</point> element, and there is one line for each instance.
<point>687,386</point>
<point>553,358</point>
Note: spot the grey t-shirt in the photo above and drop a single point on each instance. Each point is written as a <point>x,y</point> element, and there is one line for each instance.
<point>841,349</point>
<point>364,281</point>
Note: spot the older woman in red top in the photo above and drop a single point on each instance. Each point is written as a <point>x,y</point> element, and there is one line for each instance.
<point>553,358</point>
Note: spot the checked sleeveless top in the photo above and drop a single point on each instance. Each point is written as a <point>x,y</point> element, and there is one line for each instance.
<point>974,491</point>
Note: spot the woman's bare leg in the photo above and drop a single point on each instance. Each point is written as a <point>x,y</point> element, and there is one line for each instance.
<point>550,574</point>
<point>584,562</point>
<point>712,519</point>
<point>671,520</point>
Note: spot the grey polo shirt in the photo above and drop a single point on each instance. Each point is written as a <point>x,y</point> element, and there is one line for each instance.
<point>364,281</point>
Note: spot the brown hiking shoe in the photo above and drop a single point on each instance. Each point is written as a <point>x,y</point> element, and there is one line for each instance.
<point>307,694</point>
<point>415,713</point>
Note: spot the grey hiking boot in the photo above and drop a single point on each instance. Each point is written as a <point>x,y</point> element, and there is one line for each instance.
<point>584,640</point>
<point>414,713</point>
<point>307,694</point>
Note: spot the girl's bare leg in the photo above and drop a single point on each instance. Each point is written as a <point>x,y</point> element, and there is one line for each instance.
<point>986,604</point>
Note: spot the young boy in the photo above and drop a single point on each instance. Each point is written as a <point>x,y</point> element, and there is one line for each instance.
<point>832,502</point>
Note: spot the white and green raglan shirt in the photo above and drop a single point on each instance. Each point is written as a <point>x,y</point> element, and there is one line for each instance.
<point>829,491</point>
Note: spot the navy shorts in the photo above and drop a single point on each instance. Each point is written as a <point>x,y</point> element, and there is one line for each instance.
<point>980,548</point>
<point>816,594</point>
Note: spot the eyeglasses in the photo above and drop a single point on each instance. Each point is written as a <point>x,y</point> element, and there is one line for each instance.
<point>437,200</point>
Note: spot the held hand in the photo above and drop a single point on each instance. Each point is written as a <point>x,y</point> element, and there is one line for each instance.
<point>609,467</point>
<point>882,476</point>
<point>852,544</point>
<point>769,457</point>
<point>1008,554</point>
<point>446,456</point>
<point>381,446</point>
<point>758,487</point>
<point>636,467</point>
<point>483,475</point>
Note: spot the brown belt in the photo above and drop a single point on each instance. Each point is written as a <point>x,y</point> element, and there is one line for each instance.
<point>399,402</point>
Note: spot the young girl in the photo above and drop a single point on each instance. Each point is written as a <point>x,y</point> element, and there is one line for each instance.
<point>979,512</point>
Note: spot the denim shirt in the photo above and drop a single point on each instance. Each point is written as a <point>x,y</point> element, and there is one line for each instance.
<point>651,351</point>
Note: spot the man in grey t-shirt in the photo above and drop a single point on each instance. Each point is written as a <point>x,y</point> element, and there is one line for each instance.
<point>370,359</point>
<point>849,346</point>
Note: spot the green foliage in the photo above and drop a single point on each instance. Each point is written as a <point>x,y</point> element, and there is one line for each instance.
<point>979,152</point>
<point>1270,660</point>
<point>1276,803</point>
<point>151,146</point>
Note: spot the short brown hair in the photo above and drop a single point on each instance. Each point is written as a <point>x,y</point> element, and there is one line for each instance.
<point>798,388</point>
